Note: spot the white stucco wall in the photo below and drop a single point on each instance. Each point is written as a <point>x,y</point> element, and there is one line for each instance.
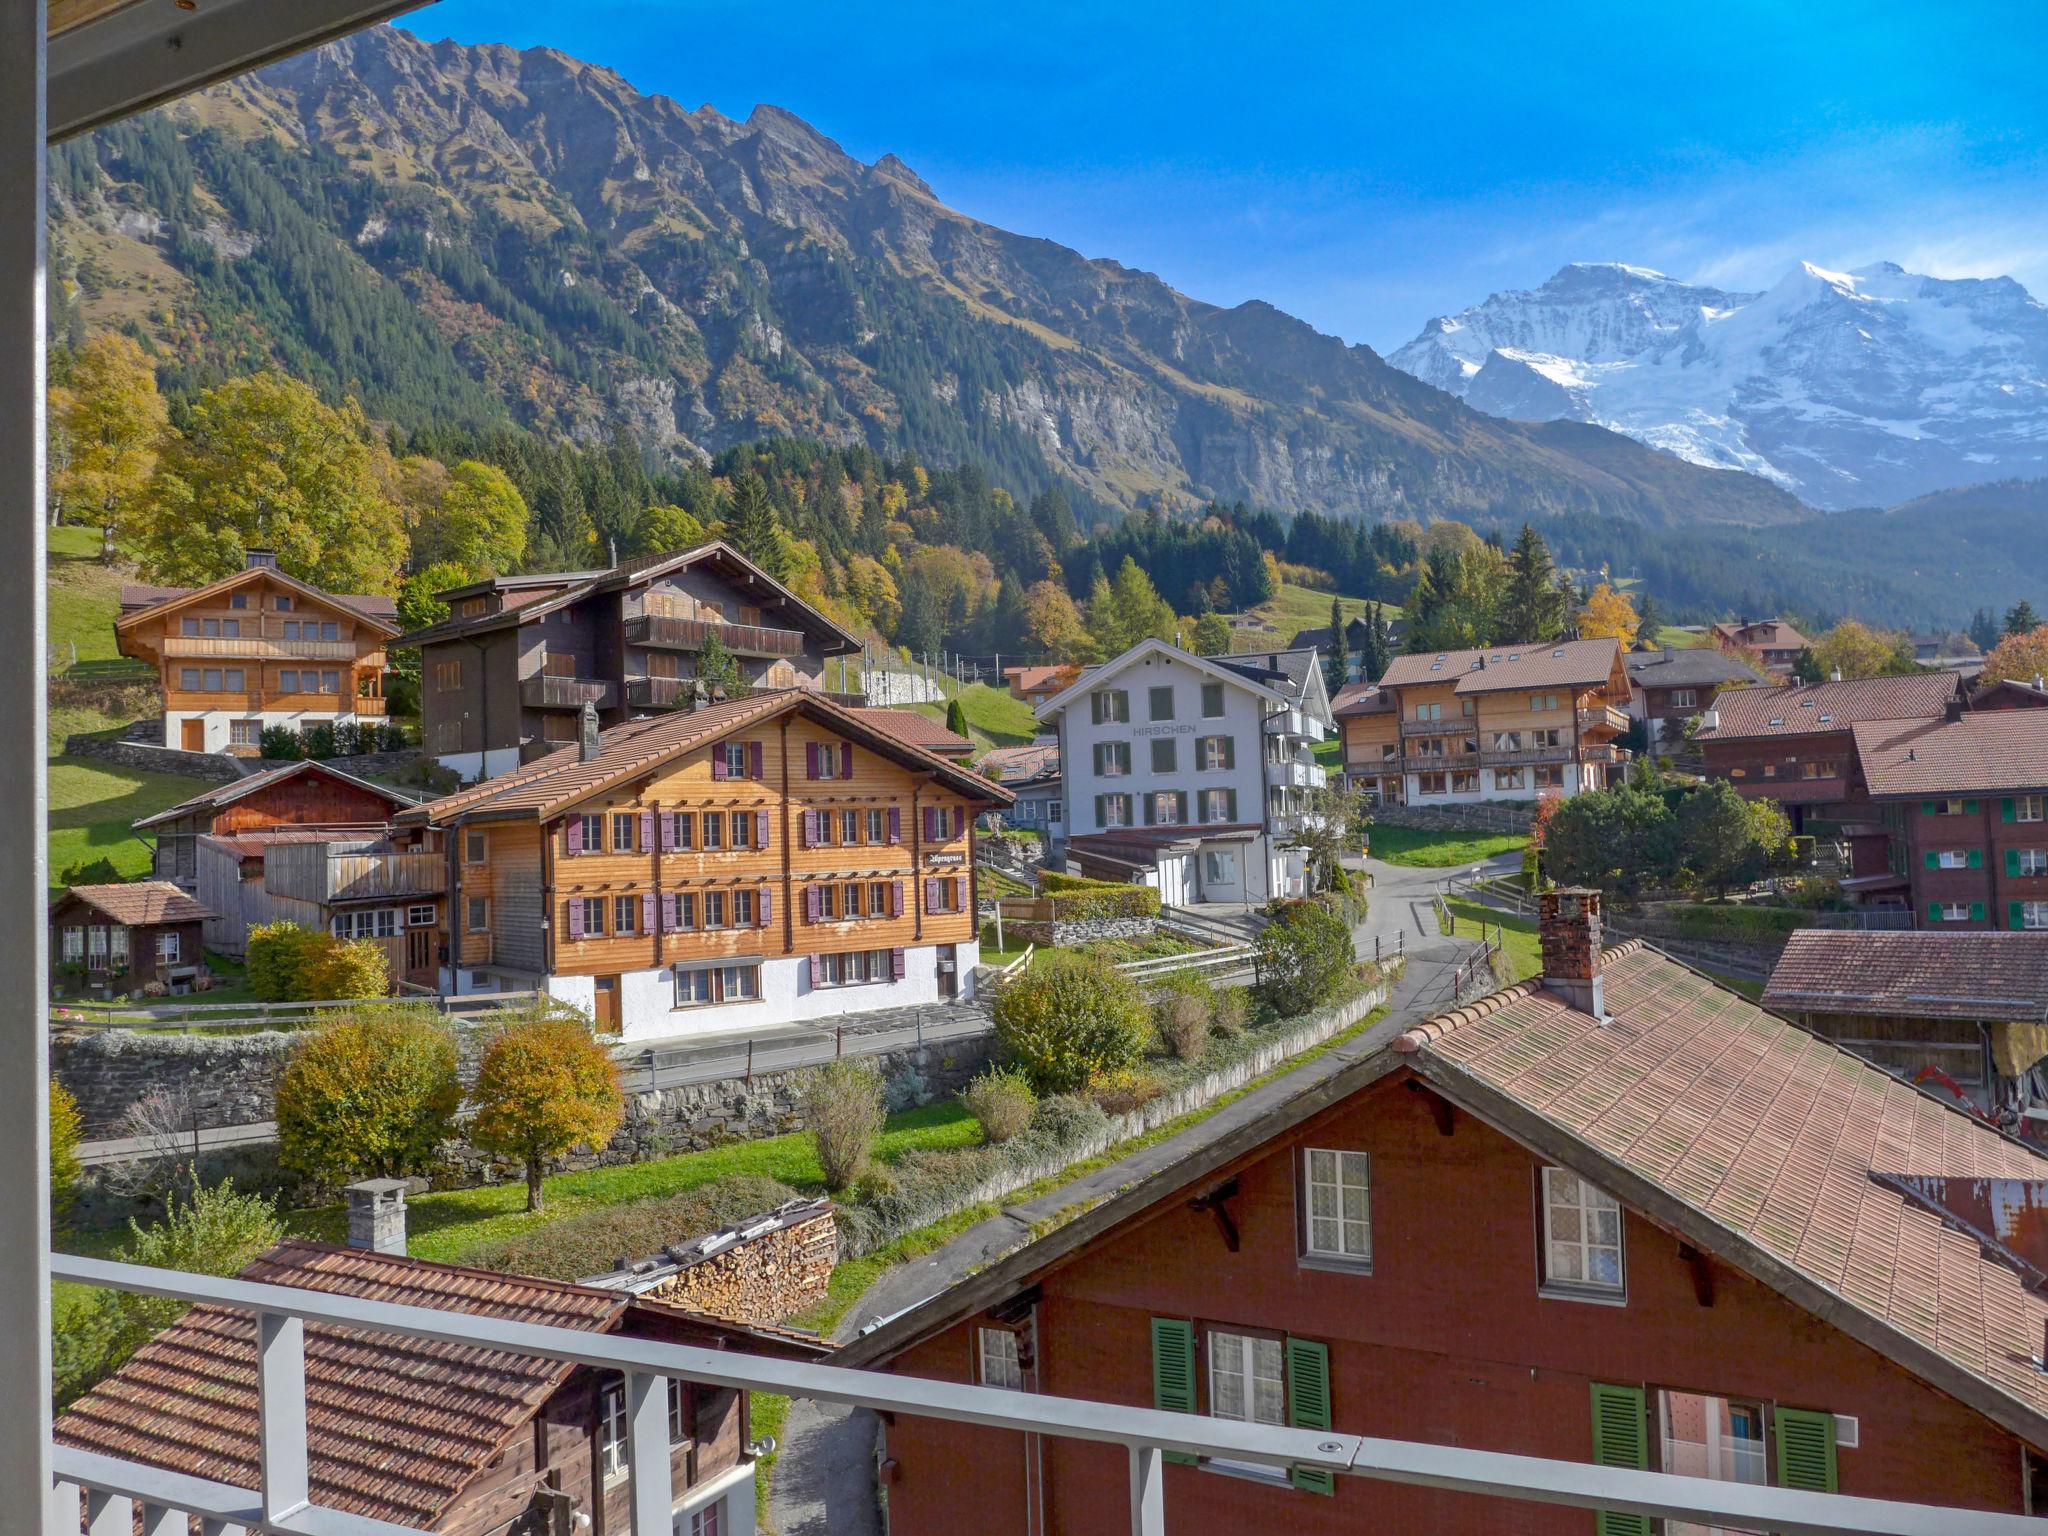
<point>216,723</point>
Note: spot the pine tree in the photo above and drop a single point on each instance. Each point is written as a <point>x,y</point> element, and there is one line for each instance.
<point>1373,665</point>
<point>1335,663</point>
<point>2020,619</point>
<point>1533,611</point>
<point>750,526</point>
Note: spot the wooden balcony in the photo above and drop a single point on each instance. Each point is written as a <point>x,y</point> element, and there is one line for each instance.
<point>666,634</point>
<point>316,872</point>
<point>661,692</point>
<point>1450,727</point>
<point>1446,762</point>
<point>1518,757</point>
<point>247,648</point>
<point>1603,717</point>
<point>542,691</point>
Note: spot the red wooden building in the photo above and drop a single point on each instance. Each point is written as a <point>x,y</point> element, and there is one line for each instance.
<point>1619,1215</point>
<point>301,794</point>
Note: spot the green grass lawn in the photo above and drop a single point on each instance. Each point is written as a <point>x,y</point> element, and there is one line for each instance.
<point>995,716</point>
<point>1517,934</point>
<point>1679,639</point>
<point>1293,609</point>
<point>92,807</point>
<point>1427,849</point>
<point>450,1225</point>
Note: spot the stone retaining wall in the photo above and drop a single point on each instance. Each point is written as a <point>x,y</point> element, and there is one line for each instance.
<point>153,759</point>
<point>1069,933</point>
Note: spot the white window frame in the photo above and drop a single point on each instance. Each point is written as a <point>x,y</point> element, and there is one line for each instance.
<point>167,947</point>
<point>739,758</point>
<point>998,1359</point>
<point>1560,1190</point>
<point>2033,861</point>
<point>1955,911</point>
<point>478,904</point>
<point>2034,916</point>
<point>611,1432</point>
<point>1109,706</point>
<point>1743,1455</point>
<point>1244,1376</point>
<point>1953,858</point>
<point>2030,807</point>
<point>1685,698</point>
<point>420,916</point>
<point>1336,1170</point>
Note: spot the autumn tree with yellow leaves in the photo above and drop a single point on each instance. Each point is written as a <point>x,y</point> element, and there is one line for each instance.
<point>1608,615</point>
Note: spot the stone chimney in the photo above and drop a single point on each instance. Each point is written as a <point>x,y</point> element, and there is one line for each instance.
<point>1953,710</point>
<point>376,1215</point>
<point>1568,923</point>
<point>586,735</point>
<point>259,560</point>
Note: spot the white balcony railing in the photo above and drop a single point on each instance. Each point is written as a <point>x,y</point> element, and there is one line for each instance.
<point>102,1494</point>
<point>1297,774</point>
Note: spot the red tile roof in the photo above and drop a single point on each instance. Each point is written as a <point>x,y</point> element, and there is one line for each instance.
<point>1565,664</point>
<point>1764,635</point>
<point>139,903</point>
<point>1997,976</point>
<point>1040,679</point>
<point>1360,699</point>
<point>1759,1142</point>
<point>1999,749</point>
<point>919,730</point>
<point>396,1427</point>
<point>1807,708</point>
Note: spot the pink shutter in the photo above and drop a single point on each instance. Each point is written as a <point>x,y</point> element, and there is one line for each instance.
<point>760,829</point>
<point>813,904</point>
<point>810,828</point>
<point>764,907</point>
<point>646,830</point>
<point>896,964</point>
<point>647,912</point>
<point>959,821</point>
<point>669,902</point>
<point>895,898</point>
<point>959,893</point>
<point>846,759</point>
<point>895,823</point>
<point>754,759</point>
<point>931,895</point>
<point>572,834</point>
<point>718,762</point>
<point>575,918</point>
<point>817,970</point>
<point>668,831</point>
<point>810,759</point>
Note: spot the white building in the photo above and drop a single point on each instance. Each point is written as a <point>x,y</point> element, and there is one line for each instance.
<point>1191,773</point>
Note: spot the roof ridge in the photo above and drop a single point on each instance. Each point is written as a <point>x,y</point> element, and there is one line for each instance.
<point>441,1266</point>
<point>1416,1036</point>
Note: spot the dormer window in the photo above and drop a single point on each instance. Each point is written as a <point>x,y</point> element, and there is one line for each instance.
<point>1777,720</point>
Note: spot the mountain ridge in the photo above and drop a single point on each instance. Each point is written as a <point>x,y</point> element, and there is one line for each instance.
<point>533,240</point>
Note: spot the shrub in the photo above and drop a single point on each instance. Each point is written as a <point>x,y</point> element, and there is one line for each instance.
<point>64,1165</point>
<point>348,968</point>
<point>154,989</point>
<point>1232,1008</point>
<point>1304,958</point>
<point>1002,1100</point>
<point>1067,1019</point>
<point>1182,1019</point>
<point>544,1085</point>
<point>1122,1090</point>
<point>99,871</point>
<point>280,743</point>
<point>1075,898</point>
<point>372,1093</point>
<point>279,957</point>
<point>842,1106</point>
<point>594,1241</point>
<point>318,741</point>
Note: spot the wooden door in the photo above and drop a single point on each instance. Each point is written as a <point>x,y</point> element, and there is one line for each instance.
<point>607,1010</point>
<point>949,972</point>
<point>192,735</point>
<point>419,950</point>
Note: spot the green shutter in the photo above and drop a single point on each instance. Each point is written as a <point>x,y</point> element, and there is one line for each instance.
<point>1934,911</point>
<point>1806,1449</point>
<point>1233,805</point>
<point>1969,807</point>
<point>2005,811</point>
<point>1308,1404</point>
<point>1621,1438</point>
<point>2012,857</point>
<point>1976,858</point>
<point>1934,859</point>
<point>2014,918</point>
<point>1173,1370</point>
<point>1926,807</point>
<point>1976,911</point>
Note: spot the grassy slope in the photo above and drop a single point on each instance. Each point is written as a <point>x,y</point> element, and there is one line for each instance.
<point>1293,609</point>
<point>92,805</point>
<point>1517,934</point>
<point>1419,849</point>
<point>995,717</point>
<point>1679,639</point>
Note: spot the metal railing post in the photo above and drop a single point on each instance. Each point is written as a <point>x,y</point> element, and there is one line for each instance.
<point>648,1469</point>
<point>750,1061</point>
<point>281,1407</point>
<point>162,1520</point>
<point>108,1514</point>
<point>1148,1491</point>
<point>838,1041</point>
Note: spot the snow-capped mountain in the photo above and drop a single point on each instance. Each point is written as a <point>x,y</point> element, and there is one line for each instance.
<point>1861,388</point>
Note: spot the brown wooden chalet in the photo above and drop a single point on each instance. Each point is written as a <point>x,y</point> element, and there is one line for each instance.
<point>119,938</point>
<point>300,794</point>
<point>254,650</point>
<point>439,1437</point>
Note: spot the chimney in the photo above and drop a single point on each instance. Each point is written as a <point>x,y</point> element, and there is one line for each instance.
<point>376,1215</point>
<point>259,560</point>
<point>2039,686</point>
<point>1835,676</point>
<point>586,735</point>
<point>1954,709</point>
<point>1568,923</point>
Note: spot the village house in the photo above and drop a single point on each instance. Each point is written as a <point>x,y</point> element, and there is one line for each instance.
<point>1034,685</point>
<point>1777,642</point>
<point>1352,645</point>
<point>1793,744</point>
<point>1191,773</point>
<point>113,939</point>
<point>1617,1215</point>
<point>1971,1006</point>
<point>732,867</point>
<point>1669,689</point>
<point>254,650</point>
<point>504,678</point>
<point>448,1438</point>
<point>1505,723</point>
<point>301,794</point>
<point>1031,772</point>
<point>2011,693</point>
<point>1964,799</point>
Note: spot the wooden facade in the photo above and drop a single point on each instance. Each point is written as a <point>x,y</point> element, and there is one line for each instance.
<point>305,794</point>
<point>254,650</point>
<point>100,946</point>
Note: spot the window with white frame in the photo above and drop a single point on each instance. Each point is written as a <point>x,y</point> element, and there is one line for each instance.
<point>737,759</point>
<point>421,916</point>
<point>2034,916</point>
<point>372,923</point>
<point>1219,866</point>
<point>1112,759</point>
<point>590,828</point>
<point>708,1521</point>
<point>1712,1437</point>
<point>1684,698</point>
<point>611,1431</point>
<point>1953,911</point>
<point>624,824</point>
<point>1110,706</point>
<point>2030,807</point>
<point>244,733</point>
<point>1247,1378</point>
<point>167,948</point>
<point>1582,1243</point>
<point>1336,1206</point>
<point>1000,1360</point>
<point>1954,858</point>
<point>74,944</point>
<point>2030,861</point>
<point>479,914</point>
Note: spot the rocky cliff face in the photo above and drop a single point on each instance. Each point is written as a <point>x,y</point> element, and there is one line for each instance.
<point>1847,388</point>
<point>581,257</point>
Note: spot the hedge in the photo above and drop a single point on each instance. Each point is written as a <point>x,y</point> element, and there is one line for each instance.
<point>1074,899</point>
<point>1697,921</point>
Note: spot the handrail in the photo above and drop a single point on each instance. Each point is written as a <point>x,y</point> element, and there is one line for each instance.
<point>283,1503</point>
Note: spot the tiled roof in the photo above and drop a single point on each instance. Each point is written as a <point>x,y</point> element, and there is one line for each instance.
<point>1759,1141</point>
<point>1994,976</point>
<point>1292,665</point>
<point>1361,699</point>
<point>1764,635</point>
<point>1997,749</point>
<point>1699,666</point>
<point>138,596</point>
<point>562,778</point>
<point>251,843</point>
<point>240,789</point>
<point>396,1427</point>
<point>141,902</point>
<point>1564,664</point>
<point>1015,765</point>
<point>1040,679</point>
<point>908,725</point>
<point>1807,708</point>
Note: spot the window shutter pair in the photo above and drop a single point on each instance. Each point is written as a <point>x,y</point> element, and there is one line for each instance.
<point>572,835</point>
<point>814,904</point>
<point>1308,1389</point>
<point>718,768</point>
<point>896,964</point>
<point>764,907</point>
<point>575,918</point>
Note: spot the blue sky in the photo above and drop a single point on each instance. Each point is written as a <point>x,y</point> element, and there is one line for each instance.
<point>1366,166</point>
